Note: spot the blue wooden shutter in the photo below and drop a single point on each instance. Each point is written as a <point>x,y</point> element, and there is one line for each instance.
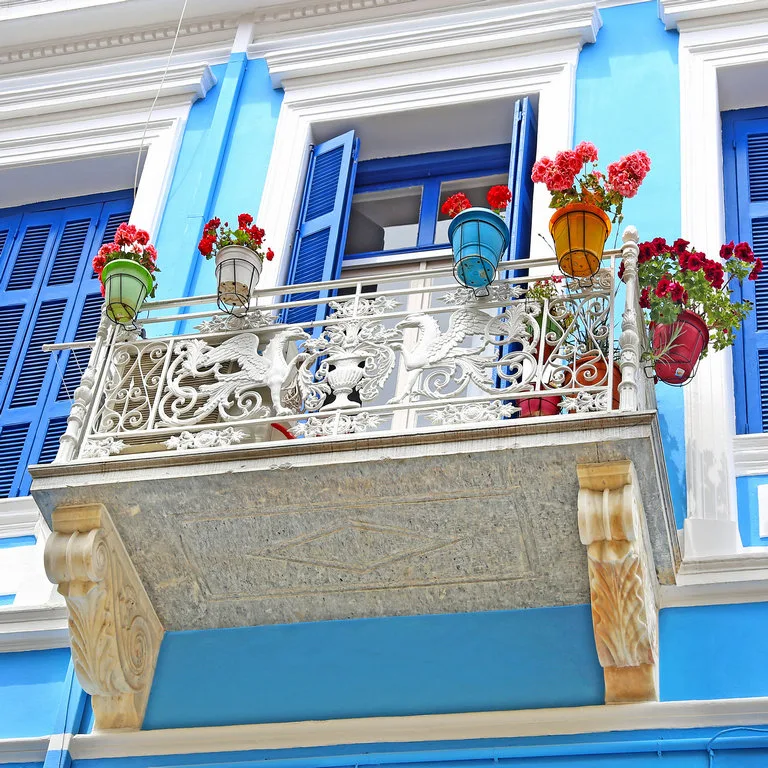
<point>518,216</point>
<point>322,228</point>
<point>520,184</point>
<point>746,191</point>
<point>49,266</point>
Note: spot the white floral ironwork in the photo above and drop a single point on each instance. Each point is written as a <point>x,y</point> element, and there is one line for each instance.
<point>255,319</point>
<point>338,424</point>
<point>472,413</point>
<point>101,449</point>
<point>208,438</point>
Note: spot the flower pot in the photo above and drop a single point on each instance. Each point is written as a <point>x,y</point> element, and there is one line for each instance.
<point>126,285</point>
<point>679,346</point>
<point>539,406</point>
<point>479,238</point>
<point>592,371</point>
<point>579,231</point>
<point>237,271</point>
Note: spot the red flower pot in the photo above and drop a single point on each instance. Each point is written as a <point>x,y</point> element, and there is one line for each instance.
<point>539,406</point>
<point>679,345</point>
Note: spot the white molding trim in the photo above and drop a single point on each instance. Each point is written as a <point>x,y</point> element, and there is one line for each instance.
<point>19,517</point>
<point>469,32</point>
<point>694,591</point>
<point>33,629</point>
<point>103,89</point>
<point>701,14</point>
<point>750,454</point>
<point>711,529</point>
<point>320,92</point>
<point>452,727</point>
<point>26,750</point>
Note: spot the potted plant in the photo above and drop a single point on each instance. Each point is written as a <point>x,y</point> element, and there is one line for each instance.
<point>126,268</point>
<point>689,302</point>
<point>583,197</point>
<point>479,237</point>
<point>239,259</point>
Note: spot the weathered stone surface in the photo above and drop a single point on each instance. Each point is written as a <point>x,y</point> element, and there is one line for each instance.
<point>480,520</point>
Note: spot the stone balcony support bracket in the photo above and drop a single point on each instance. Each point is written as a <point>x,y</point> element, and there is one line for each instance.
<point>114,632</point>
<point>624,611</point>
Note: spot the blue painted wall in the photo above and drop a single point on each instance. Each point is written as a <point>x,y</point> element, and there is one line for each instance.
<point>713,652</point>
<point>17,541</point>
<point>221,168</point>
<point>31,687</point>
<point>749,521</point>
<point>377,667</point>
<point>643,64</point>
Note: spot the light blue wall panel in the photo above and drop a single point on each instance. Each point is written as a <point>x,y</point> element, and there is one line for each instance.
<point>17,541</point>
<point>713,652</point>
<point>627,98</point>
<point>377,667</point>
<point>246,158</point>
<point>749,521</point>
<point>31,687</point>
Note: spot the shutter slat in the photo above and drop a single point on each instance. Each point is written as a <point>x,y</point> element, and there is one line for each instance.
<point>760,247</point>
<point>757,163</point>
<point>78,359</point>
<point>113,222</point>
<point>10,317</point>
<point>12,439</point>
<point>28,386</point>
<point>3,240</point>
<point>50,447</point>
<point>322,226</point>
<point>29,257</point>
<point>325,180</point>
<point>68,252</point>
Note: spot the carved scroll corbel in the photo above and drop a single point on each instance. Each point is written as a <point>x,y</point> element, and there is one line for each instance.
<point>114,632</point>
<point>624,613</point>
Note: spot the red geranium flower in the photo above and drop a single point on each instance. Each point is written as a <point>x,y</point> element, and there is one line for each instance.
<point>499,197</point>
<point>743,252</point>
<point>756,269</point>
<point>244,220</point>
<point>455,204</point>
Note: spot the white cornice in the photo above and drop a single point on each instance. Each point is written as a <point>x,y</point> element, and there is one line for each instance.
<point>20,516</point>
<point>715,593</point>
<point>212,35</point>
<point>103,89</point>
<point>690,14</point>
<point>433,728</point>
<point>750,454</point>
<point>33,629</point>
<point>418,39</point>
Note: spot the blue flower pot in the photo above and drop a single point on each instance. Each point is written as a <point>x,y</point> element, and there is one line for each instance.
<point>479,239</point>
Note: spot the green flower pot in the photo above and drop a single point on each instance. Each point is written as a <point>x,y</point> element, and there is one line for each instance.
<point>126,285</point>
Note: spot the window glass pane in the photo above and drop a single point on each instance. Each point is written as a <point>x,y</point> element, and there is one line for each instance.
<point>475,189</point>
<point>384,221</point>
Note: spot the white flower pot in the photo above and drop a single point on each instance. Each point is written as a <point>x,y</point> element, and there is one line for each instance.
<point>237,270</point>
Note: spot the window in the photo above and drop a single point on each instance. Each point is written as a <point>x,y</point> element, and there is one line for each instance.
<point>389,206</point>
<point>48,293</point>
<point>745,166</point>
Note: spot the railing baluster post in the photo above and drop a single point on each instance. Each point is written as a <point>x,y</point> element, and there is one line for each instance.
<point>629,341</point>
<point>83,397</point>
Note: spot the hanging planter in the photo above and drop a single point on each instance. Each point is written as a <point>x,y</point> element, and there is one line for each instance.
<point>539,406</point>
<point>689,302</point>
<point>677,347</point>
<point>238,270</point>
<point>126,268</point>
<point>583,196</point>
<point>126,285</point>
<point>239,260</point>
<point>579,231</point>
<point>479,237</point>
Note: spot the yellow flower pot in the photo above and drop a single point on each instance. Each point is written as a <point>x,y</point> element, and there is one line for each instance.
<point>579,231</point>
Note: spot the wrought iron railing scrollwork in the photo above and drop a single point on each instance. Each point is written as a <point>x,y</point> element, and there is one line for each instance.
<point>417,353</point>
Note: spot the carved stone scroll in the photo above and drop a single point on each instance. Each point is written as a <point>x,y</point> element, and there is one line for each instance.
<point>624,613</point>
<point>114,631</point>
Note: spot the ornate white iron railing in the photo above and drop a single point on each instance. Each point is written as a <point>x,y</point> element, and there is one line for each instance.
<point>416,352</point>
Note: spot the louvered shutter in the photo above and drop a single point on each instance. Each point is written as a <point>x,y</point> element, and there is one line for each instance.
<point>747,219</point>
<point>322,228</point>
<point>518,216</point>
<point>50,266</point>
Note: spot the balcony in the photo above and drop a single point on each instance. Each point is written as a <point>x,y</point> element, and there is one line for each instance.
<point>380,461</point>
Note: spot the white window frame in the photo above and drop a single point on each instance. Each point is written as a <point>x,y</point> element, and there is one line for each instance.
<point>713,39</point>
<point>498,62</point>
